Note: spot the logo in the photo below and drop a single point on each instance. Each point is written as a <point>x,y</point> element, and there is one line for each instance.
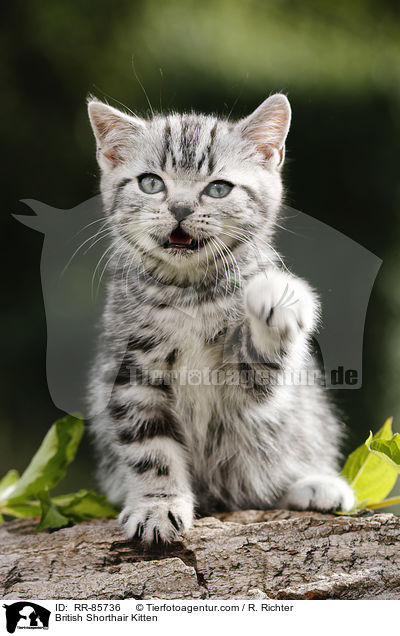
<point>76,261</point>
<point>26,615</point>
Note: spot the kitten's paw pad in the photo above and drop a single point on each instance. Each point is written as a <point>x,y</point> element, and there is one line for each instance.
<point>321,492</point>
<point>157,521</point>
<point>280,301</point>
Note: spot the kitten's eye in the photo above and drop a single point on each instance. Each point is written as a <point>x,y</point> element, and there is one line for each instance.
<point>218,189</point>
<point>151,183</point>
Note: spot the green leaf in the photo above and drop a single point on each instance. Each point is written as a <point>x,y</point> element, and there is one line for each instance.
<point>81,506</point>
<point>392,501</point>
<point>85,505</point>
<point>20,510</point>
<point>370,477</point>
<point>50,462</point>
<point>388,450</point>
<point>47,467</point>
<point>51,516</point>
<point>7,482</point>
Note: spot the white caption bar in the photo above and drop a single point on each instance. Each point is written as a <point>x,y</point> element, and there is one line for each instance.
<point>319,618</point>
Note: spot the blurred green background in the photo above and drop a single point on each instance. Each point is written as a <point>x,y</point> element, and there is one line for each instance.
<point>339,63</point>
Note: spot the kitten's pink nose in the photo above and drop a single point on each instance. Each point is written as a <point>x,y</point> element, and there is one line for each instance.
<point>180,211</point>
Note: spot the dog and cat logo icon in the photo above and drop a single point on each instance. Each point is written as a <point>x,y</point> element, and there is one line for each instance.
<point>26,615</point>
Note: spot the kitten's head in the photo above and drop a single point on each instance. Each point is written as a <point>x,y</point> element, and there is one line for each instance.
<point>184,192</point>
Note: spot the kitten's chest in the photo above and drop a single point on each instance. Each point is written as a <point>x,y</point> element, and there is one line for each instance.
<point>194,370</point>
<point>194,342</point>
<point>196,393</point>
<point>189,356</point>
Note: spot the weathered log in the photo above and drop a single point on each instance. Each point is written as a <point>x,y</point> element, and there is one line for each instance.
<point>249,554</point>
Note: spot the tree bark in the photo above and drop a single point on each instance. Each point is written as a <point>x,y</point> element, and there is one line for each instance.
<point>273,554</point>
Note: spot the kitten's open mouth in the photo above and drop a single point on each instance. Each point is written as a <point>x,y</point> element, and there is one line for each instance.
<point>179,239</point>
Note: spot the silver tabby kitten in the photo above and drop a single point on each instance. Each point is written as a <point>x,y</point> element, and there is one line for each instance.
<point>192,202</point>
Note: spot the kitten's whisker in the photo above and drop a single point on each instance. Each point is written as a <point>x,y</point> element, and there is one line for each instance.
<point>105,235</point>
<point>252,238</point>
<point>130,261</point>
<point>207,264</point>
<point>270,247</point>
<point>216,268</point>
<point>103,218</point>
<point>113,247</point>
<point>248,241</point>
<point>101,231</point>
<point>141,85</point>
<point>233,261</point>
<point>220,247</point>
<point>286,229</point>
<point>113,253</point>
<point>228,254</point>
<point>117,264</point>
<point>114,99</point>
<point>279,257</point>
<point>224,263</point>
<point>110,247</point>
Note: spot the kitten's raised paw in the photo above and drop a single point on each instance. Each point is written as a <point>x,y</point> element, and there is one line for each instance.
<point>281,302</point>
<point>155,521</point>
<point>319,492</point>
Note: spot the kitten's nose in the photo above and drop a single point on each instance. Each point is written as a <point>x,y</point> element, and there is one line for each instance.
<point>180,211</point>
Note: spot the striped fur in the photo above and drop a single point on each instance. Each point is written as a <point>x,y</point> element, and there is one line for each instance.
<point>191,412</point>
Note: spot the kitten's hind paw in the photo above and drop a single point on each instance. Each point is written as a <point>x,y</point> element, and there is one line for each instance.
<point>155,521</point>
<point>319,492</point>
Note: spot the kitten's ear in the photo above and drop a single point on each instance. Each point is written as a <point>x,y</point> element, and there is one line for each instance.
<point>268,127</point>
<point>114,132</point>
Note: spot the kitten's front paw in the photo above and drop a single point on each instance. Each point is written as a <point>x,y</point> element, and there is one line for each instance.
<point>280,305</point>
<point>319,492</point>
<point>156,520</point>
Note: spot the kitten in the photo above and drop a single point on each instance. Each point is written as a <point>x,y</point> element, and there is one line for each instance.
<point>192,203</point>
